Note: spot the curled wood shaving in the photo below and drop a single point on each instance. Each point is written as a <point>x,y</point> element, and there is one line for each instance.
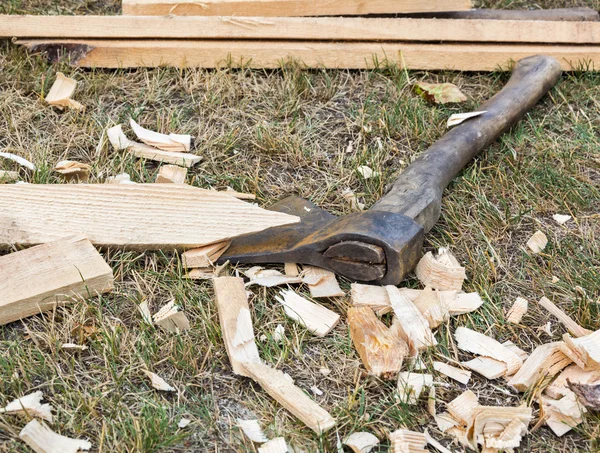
<point>43,440</point>
<point>31,405</point>
<point>171,142</point>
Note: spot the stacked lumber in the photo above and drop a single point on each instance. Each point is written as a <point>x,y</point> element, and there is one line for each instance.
<point>253,38</point>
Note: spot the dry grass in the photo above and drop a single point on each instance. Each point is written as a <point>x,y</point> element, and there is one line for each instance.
<point>274,133</point>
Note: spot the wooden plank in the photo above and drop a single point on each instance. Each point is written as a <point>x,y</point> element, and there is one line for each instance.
<point>340,55</point>
<point>288,7</point>
<point>132,216</point>
<point>282,389</point>
<point>43,277</point>
<point>299,28</point>
<point>236,323</point>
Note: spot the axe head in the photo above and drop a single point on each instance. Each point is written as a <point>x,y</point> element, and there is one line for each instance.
<point>376,247</point>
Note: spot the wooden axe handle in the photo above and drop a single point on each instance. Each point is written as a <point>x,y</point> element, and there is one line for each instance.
<point>417,193</point>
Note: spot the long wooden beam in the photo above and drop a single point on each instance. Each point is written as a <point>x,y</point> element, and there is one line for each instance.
<point>299,28</point>
<point>272,54</point>
<point>287,7</point>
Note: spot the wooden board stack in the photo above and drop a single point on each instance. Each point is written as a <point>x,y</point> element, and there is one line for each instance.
<point>269,33</point>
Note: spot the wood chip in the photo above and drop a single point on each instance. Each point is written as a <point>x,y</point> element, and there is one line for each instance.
<point>409,323</point>
<point>487,367</point>
<point>405,441</point>
<point>283,390</point>
<point>183,422</point>
<point>122,178</point>
<point>269,281</point>
<point>441,272</point>
<point>565,319</point>
<point>19,160</point>
<point>159,383</point>
<point>537,243</point>
<point>501,427</point>
<point>316,318</point>
<point>327,285</point>
<point>459,118</point>
<point>572,374</point>
<point>381,351</point>
<point>30,405</point>
<point>517,350</point>
<point>171,174</point>
<point>352,199</point>
<point>375,297</point>
<point>41,278</point>
<point>61,91</point>
<point>562,414</point>
<point>457,374</point>
<point>361,442</point>
<point>72,170</point>
<point>561,219</point>
<point>432,307</point>
<point>411,385</point>
<point>42,439</point>
<point>236,322</point>
<point>203,257</point>
<point>291,270</point>
<point>517,311</point>
<point>276,445</point>
<point>463,303</point>
<point>73,346</point>
<point>252,430</point>
<point>545,360</point>
<point>170,318</point>
<point>584,351</point>
<point>202,273</point>
<point>477,343</point>
<point>463,407</point>
<point>279,334</point>
<point>445,421</point>
<point>367,172</point>
<point>172,142</point>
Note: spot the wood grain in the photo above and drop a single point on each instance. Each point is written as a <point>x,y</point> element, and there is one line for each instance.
<point>349,55</point>
<point>130,216</point>
<point>287,7</point>
<point>300,28</point>
<point>40,278</point>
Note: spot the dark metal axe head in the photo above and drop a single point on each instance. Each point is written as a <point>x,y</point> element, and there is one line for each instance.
<point>371,246</point>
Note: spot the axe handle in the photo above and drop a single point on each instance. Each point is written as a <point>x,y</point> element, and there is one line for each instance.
<point>417,193</point>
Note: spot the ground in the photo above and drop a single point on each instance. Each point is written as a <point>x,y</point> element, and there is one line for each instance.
<point>275,133</point>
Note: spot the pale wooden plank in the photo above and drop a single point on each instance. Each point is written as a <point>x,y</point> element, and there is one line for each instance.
<point>132,216</point>
<point>288,7</point>
<point>236,323</point>
<point>349,55</point>
<point>300,28</point>
<point>40,278</point>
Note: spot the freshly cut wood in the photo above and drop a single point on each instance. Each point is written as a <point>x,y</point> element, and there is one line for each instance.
<point>19,160</point>
<point>554,14</point>
<point>30,405</point>
<point>501,427</point>
<point>562,414</point>
<point>584,351</point>
<point>342,55</point>
<point>204,256</point>
<point>201,273</point>
<point>287,7</point>
<point>573,374</point>
<point>545,360</point>
<point>405,441</point>
<point>487,367</point>
<point>236,322</point>
<point>537,243</point>
<point>478,343</point>
<point>565,319</point>
<point>40,278</point>
<point>381,351</point>
<point>8,176</point>
<point>326,286</point>
<point>561,219</point>
<point>409,323</point>
<point>517,350</point>
<point>282,389</point>
<point>463,408</point>
<point>171,174</point>
<point>411,385</point>
<point>172,142</point>
<point>61,91</point>
<point>159,383</point>
<point>375,297</point>
<point>462,303</point>
<point>270,278</point>
<point>252,430</point>
<point>122,178</point>
<point>72,170</point>
<point>132,216</point>
<point>119,141</point>
<point>291,270</point>
<point>459,118</point>
<point>74,346</point>
<point>361,442</point>
<point>42,439</point>
<point>170,318</point>
<point>452,372</point>
<point>316,318</point>
<point>433,308</point>
<point>276,445</point>
<point>441,272</point>
<point>517,311</point>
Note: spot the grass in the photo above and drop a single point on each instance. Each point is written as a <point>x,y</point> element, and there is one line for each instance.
<point>273,133</point>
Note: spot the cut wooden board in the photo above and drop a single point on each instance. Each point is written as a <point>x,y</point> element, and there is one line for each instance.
<point>43,277</point>
<point>565,319</point>
<point>288,7</point>
<point>545,360</point>
<point>300,28</point>
<point>131,216</point>
<point>478,343</point>
<point>236,323</point>
<point>381,352</point>
<point>282,389</point>
<point>316,318</point>
<point>204,257</point>
<point>171,174</point>
<point>271,54</point>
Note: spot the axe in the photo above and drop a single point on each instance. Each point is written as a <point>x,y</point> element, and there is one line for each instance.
<point>381,245</point>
